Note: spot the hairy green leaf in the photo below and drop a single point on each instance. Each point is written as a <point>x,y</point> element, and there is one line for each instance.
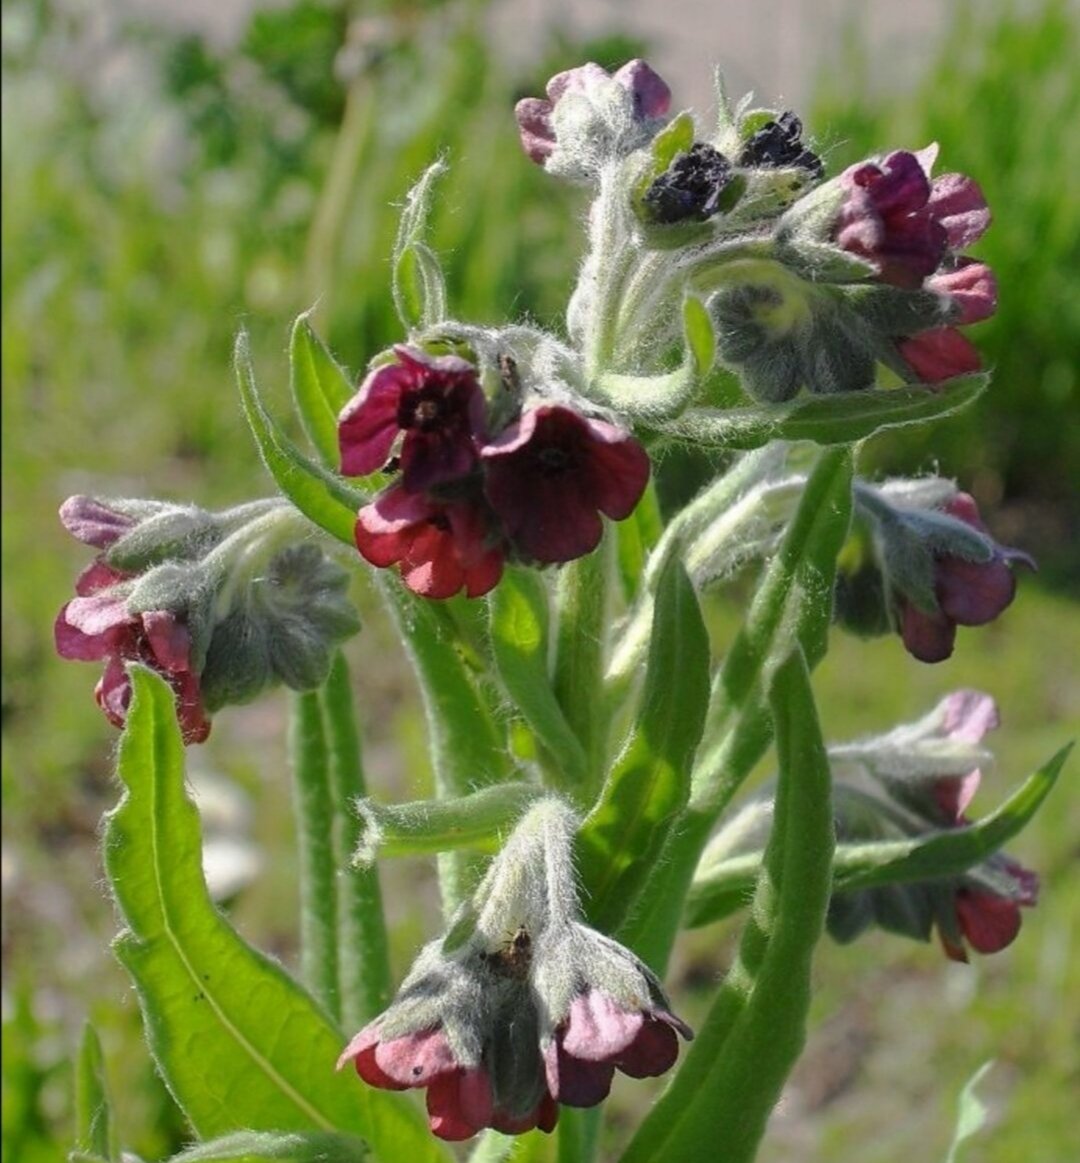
<point>95,1133</point>
<point>240,1045</point>
<point>318,494</point>
<point>650,780</point>
<point>320,389</point>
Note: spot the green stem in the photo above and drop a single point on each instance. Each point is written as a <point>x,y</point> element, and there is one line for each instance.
<point>318,871</point>
<point>363,952</point>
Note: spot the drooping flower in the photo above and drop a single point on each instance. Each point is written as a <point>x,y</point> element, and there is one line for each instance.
<point>434,404</point>
<point>550,475</point>
<point>967,592</point>
<point>521,1006</point>
<point>895,216</point>
<point>590,115</point>
<point>442,546</point>
<point>931,771</point>
<point>97,625</point>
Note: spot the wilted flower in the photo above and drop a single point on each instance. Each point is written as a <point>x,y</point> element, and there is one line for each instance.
<point>778,144</point>
<point>590,115</point>
<point>442,546</point>
<point>691,187</point>
<point>520,1006</point>
<point>552,473</point>
<point>433,403</point>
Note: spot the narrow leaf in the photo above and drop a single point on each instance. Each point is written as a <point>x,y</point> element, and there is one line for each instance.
<point>320,389</point>
<point>95,1133</point>
<point>418,285</point>
<point>318,494</point>
<point>649,782</point>
<point>973,1112</point>
<point>839,419</point>
<point>240,1045</point>
<point>717,1107</point>
<point>519,640</point>
<point>700,336</point>
<point>255,1146</point>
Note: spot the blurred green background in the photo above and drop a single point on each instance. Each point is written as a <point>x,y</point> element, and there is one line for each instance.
<point>162,188</point>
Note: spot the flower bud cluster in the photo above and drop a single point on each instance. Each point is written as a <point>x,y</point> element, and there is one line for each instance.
<point>922,562</point>
<point>221,605</point>
<point>476,485</point>
<point>520,1007</point>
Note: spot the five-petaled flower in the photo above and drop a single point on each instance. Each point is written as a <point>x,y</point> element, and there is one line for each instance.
<point>967,593</point>
<point>552,473</point>
<point>527,1009</point>
<point>434,403</point>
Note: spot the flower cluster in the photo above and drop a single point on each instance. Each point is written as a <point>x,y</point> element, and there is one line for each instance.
<point>930,772</point>
<point>212,602</point>
<point>466,499</point>
<point>924,564</point>
<point>520,1007</point>
<point>912,228</point>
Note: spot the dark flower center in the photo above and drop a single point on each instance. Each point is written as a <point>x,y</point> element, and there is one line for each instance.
<point>426,410</point>
<point>554,460</point>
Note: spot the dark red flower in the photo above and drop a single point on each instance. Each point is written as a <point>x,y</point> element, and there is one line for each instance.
<point>97,626</point>
<point>968,593</point>
<point>895,216</point>
<point>551,474</point>
<point>442,546</point>
<point>939,354</point>
<point>434,403</point>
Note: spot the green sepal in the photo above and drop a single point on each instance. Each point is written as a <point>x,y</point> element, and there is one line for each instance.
<point>239,1043</point>
<point>648,398</point>
<point>320,389</point>
<point>318,494</point>
<point>419,287</point>
<point>839,419</point>
<point>519,642</point>
<point>479,821</point>
<point>256,1146</point>
<point>650,780</point>
<point>95,1131</point>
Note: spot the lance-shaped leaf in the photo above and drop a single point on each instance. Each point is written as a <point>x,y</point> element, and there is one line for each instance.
<point>649,781</point>
<point>95,1132</point>
<point>318,494</point>
<point>836,419</point>
<point>718,1103</point>
<point>320,389</point>
<point>519,642</point>
<point>240,1045</point>
<point>419,288</point>
<point>725,887</point>
<point>480,822</point>
<point>255,1146</point>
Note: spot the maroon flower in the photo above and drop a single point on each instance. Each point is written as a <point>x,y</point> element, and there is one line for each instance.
<point>968,593</point>
<point>442,546</point>
<point>895,216</point>
<point>649,95</point>
<point>436,403</point>
<point>97,626</point>
<point>599,1036</point>
<point>551,474</point>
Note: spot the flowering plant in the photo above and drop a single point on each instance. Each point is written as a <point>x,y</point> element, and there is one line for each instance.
<point>587,747</point>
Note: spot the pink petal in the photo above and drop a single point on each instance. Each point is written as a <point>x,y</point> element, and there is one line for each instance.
<point>361,1052</point>
<point>93,522</point>
<point>958,204</point>
<point>97,576</point>
<point>973,593</point>
<point>969,715</point>
<point>597,1028</point>
<point>92,628</point>
<point>367,426</point>
<point>415,1059</point>
<point>169,640</point>
<point>652,97</point>
<point>535,128</point>
<point>575,1082</point>
<point>459,1104</point>
<point>971,286</point>
<point>953,794</point>
<point>577,80</point>
<point>113,691</point>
